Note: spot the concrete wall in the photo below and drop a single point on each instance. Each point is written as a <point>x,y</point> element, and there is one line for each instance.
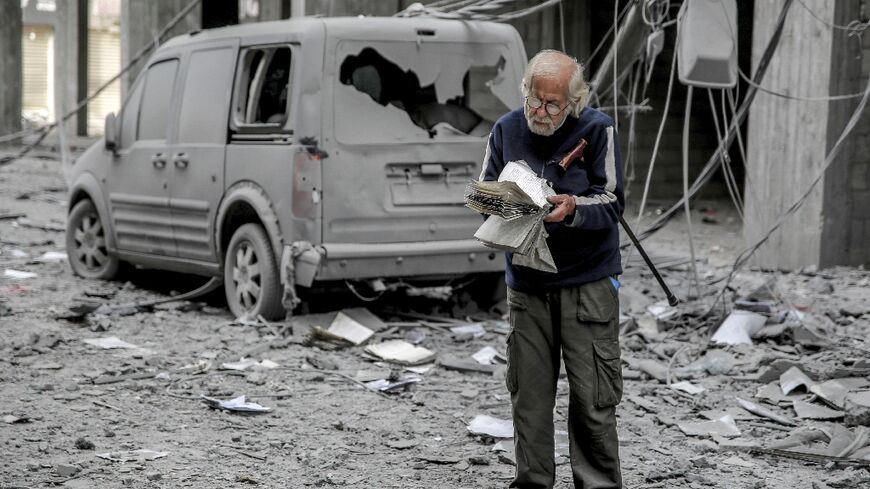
<point>10,66</point>
<point>846,214</point>
<point>789,140</point>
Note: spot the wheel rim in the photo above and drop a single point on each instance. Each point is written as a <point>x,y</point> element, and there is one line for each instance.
<point>90,243</point>
<point>246,276</point>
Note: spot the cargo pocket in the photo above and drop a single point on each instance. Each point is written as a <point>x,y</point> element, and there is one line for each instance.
<point>510,374</point>
<point>598,302</point>
<point>608,373</point>
<point>517,302</point>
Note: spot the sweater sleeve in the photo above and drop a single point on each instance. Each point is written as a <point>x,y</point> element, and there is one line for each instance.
<point>492,159</point>
<point>600,206</point>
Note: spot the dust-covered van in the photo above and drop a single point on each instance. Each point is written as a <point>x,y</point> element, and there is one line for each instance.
<point>281,154</point>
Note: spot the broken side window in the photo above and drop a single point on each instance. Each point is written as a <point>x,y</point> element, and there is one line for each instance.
<point>263,91</point>
<point>428,91</point>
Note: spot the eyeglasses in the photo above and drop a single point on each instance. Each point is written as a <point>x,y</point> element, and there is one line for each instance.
<point>551,108</point>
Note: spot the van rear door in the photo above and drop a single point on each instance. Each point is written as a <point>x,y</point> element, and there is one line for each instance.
<point>410,121</point>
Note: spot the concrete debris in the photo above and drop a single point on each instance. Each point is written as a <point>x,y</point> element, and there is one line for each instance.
<point>793,378</point>
<point>857,408</point>
<point>764,412</point>
<point>807,410</point>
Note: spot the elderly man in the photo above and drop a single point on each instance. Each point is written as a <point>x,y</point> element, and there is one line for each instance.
<point>572,313</point>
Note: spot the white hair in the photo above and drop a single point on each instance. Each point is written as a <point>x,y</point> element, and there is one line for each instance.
<point>549,63</point>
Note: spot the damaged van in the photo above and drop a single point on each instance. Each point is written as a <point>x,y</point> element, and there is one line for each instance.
<point>284,154</point>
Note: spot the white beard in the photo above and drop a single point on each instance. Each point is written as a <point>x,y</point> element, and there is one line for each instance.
<point>548,127</point>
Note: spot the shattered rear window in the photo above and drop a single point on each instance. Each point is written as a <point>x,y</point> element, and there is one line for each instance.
<point>402,91</point>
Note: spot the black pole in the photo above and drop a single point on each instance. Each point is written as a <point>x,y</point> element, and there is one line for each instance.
<point>672,299</point>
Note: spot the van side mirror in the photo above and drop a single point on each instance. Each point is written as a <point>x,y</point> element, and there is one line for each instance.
<point>110,134</point>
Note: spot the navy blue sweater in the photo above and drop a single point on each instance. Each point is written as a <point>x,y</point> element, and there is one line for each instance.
<point>585,247</point>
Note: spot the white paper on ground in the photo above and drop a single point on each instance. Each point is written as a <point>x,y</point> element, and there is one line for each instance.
<point>51,257</point>
<point>687,387</point>
<point>350,329</point>
<point>401,352</point>
<point>724,426</point>
<point>494,427</point>
<point>18,274</point>
<point>739,327</point>
<point>476,330</point>
<point>110,343</point>
<point>485,355</point>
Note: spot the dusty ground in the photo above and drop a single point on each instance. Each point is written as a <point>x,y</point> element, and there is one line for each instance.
<point>327,431</point>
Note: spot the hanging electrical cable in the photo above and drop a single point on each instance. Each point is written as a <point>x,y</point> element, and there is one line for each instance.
<point>747,253</point>
<point>687,120</point>
<point>725,161</point>
<point>658,140</point>
<point>709,169</point>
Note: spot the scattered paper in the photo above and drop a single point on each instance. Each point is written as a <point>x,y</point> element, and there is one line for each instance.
<point>51,257</point>
<point>399,351</point>
<point>385,385</point>
<point>490,426</point>
<point>476,330</point>
<point>688,387</point>
<point>487,356</point>
<point>18,274</point>
<point>349,329</point>
<point>245,364</point>
<point>132,455</point>
<point>662,311</point>
<point>739,462</point>
<point>724,426</point>
<point>239,404</point>
<point>110,343</point>
<point>739,327</point>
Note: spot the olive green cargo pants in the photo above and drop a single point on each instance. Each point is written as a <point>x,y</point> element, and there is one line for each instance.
<point>582,323</point>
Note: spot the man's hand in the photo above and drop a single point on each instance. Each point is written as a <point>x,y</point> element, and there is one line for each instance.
<point>564,208</point>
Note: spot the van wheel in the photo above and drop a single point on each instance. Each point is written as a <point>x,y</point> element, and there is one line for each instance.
<point>86,243</point>
<point>251,277</point>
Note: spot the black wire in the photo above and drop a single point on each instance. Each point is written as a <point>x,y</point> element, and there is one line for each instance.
<point>712,164</point>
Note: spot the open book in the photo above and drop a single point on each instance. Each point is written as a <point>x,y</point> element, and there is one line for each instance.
<point>516,206</point>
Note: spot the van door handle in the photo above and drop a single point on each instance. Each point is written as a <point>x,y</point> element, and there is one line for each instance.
<point>181,160</point>
<point>159,160</point>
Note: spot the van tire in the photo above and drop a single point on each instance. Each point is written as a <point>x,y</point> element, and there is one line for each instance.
<point>251,278</point>
<point>86,243</point>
